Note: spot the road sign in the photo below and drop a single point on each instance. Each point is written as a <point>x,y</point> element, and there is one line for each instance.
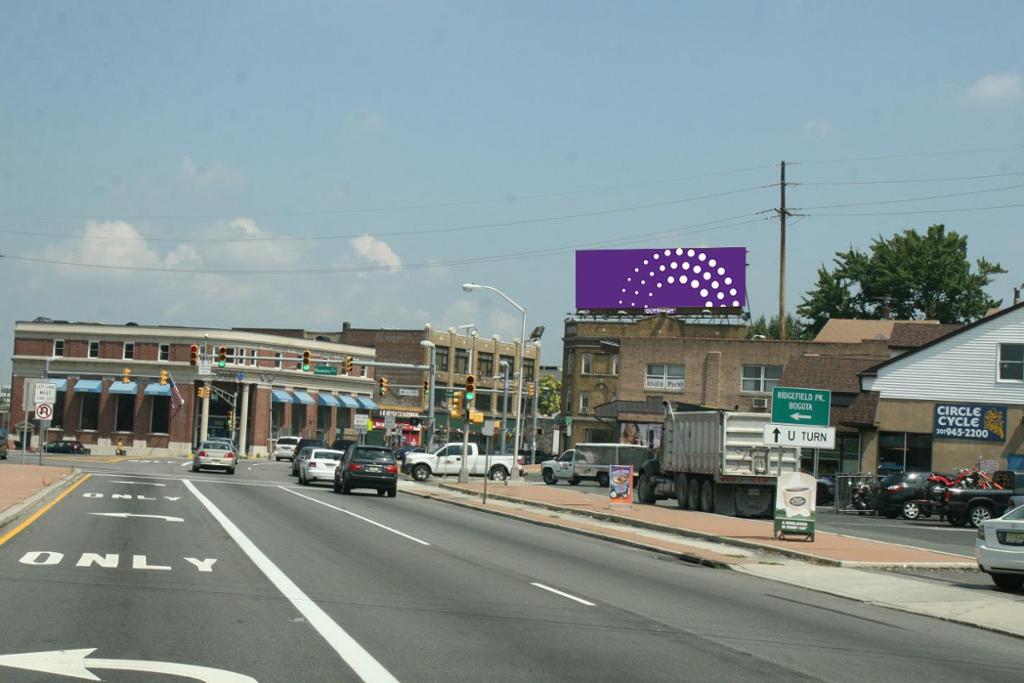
<point>389,421</point>
<point>45,392</point>
<point>488,428</point>
<point>801,406</point>
<point>804,436</point>
<point>361,421</point>
<point>44,411</point>
<point>408,392</point>
<point>205,367</point>
<point>449,393</point>
<point>325,370</point>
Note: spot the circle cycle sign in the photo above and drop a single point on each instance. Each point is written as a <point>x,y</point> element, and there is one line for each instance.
<point>44,411</point>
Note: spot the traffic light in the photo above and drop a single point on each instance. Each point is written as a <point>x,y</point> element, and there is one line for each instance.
<point>202,392</point>
<point>470,388</point>
<point>305,360</point>
<point>231,420</point>
<point>531,390</point>
<point>163,377</point>
<point>194,354</point>
<point>126,375</point>
<point>222,356</point>
<point>382,383</point>
<point>348,365</point>
<point>426,385</point>
<point>457,404</point>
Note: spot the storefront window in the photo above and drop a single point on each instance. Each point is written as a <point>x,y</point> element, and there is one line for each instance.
<point>90,417</point>
<point>124,421</point>
<point>907,452</point>
<point>323,421</point>
<point>298,419</point>
<point>845,459</point>
<point>160,422</point>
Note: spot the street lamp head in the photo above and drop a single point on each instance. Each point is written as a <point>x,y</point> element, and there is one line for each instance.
<point>426,343</point>
<point>469,287</point>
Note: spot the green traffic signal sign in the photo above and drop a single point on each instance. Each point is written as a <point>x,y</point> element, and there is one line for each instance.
<point>220,364</point>
<point>469,396</point>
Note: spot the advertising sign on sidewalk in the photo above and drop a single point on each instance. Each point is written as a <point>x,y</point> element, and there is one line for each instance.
<point>795,500</point>
<point>620,485</point>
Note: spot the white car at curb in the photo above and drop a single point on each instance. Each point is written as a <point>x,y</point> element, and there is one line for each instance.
<point>999,548</point>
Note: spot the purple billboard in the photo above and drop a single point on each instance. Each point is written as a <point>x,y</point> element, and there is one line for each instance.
<point>661,280</point>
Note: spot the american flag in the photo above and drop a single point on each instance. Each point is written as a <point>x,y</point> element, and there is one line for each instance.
<point>176,399</point>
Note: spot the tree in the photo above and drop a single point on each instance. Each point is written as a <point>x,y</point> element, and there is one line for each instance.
<point>909,276</point>
<point>549,401</point>
<point>769,328</point>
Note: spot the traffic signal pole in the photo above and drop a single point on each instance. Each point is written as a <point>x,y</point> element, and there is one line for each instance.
<point>204,420</point>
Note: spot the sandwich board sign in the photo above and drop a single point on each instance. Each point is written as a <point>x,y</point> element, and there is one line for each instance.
<point>795,500</point>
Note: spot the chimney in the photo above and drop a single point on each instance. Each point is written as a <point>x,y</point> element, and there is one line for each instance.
<point>1016,293</point>
<point>885,312</point>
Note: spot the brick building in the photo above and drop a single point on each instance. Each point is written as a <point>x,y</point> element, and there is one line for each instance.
<point>109,388</point>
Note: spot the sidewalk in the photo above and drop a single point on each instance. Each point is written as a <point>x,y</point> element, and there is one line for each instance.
<point>829,549</point>
<point>22,486</point>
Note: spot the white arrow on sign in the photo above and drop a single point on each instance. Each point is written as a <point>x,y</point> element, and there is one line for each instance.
<point>44,411</point>
<point>800,416</point>
<point>73,664</point>
<point>125,515</point>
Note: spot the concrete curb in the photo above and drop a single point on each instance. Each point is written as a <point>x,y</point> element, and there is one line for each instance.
<point>748,545</point>
<point>40,497</point>
<point>685,557</point>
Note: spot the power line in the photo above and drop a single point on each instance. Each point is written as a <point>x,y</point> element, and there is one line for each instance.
<point>401,207</point>
<point>537,253</point>
<point>397,233</point>
<point>961,209</point>
<point>915,155</point>
<point>914,199</point>
<point>908,180</point>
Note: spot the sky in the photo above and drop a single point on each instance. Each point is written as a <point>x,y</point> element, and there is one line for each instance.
<point>301,164</point>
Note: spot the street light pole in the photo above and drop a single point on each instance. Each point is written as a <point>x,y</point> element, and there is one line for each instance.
<point>536,393</point>
<point>504,403</point>
<point>463,465</point>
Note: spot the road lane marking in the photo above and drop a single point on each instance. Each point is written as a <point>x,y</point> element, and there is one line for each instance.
<point>74,664</point>
<point>49,558</point>
<point>126,515</point>
<point>39,513</point>
<point>139,483</point>
<point>349,512</point>
<point>351,652</point>
<point>564,595</point>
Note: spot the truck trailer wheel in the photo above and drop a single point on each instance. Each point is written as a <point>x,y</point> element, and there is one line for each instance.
<point>681,491</point>
<point>645,490</point>
<point>707,496</point>
<point>602,479</point>
<point>693,494</point>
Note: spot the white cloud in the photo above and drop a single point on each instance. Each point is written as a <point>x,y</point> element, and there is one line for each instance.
<point>818,129</point>
<point>994,87</point>
<point>376,251</point>
<point>106,243</point>
<point>215,175</point>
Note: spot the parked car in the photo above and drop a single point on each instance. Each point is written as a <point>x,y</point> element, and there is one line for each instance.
<point>284,448</point>
<point>214,454</point>
<point>299,446</point>
<point>66,446</point>
<point>975,506</point>
<point>367,467</point>
<point>999,548</point>
<point>900,495</point>
<point>318,464</point>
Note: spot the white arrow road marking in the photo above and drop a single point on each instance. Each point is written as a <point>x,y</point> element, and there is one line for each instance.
<point>564,595</point>
<point>353,654</point>
<point>138,483</point>
<point>125,515</point>
<point>73,663</point>
<point>800,416</point>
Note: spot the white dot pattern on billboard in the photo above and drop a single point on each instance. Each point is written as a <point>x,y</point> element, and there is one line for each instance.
<point>706,274</point>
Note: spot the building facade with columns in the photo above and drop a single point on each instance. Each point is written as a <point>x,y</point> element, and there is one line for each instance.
<point>109,386</point>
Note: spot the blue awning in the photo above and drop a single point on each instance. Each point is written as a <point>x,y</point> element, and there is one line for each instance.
<point>366,403</point>
<point>157,390</point>
<point>62,384</point>
<point>303,397</point>
<point>124,388</point>
<point>281,396</point>
<point>347,401</point>
<point>88,386</point>
<point>327,400</point>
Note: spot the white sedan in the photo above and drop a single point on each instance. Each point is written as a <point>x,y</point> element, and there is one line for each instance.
<point>319,465</point>
<point>1000,549</point>
<point>214,454</point>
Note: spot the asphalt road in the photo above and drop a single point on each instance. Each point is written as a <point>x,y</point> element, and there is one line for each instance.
<point>313,586</point>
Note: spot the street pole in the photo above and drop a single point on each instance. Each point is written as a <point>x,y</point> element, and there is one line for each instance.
<point>430,398</point>
<point>504,405</point>
<point>463,465</point>
<point>518,439</point>
<point>782,251</point>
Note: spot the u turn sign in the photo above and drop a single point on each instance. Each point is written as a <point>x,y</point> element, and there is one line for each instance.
<point>970,421</point>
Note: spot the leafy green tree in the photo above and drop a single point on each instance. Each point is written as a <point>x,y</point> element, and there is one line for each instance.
<point>910,276</point>
<point>769,328</point>
<point>549,401</point>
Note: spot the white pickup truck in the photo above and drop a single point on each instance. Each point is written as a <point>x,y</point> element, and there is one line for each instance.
<point>447,460</point>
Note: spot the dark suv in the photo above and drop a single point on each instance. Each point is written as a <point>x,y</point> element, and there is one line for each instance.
<point>367,467</point>
<point>304,443</point>
<point>898,494</point>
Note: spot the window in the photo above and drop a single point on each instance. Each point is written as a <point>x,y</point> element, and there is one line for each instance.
<point>90,415</point>
<point>58,347</point>
<point>908,452</point>
<point>253,360</point>
<point>528,369</point>
<point>1011,362</point>
<point>231,356</point>
<point>508,360</point>
<point>94,349</point>
<point>128,353</point>
<point>442,359</point>
<point>323,421</point>
<point>461,361</point>
<point>160,417</point>
<point>482,402</point>
<point>124,417</point>
<point>665,376</point>
<point>277,359</point>
<point>760,379</point>
<point>485,364</point>
<point>165,352</point>
<point>586,363</point>
<point>584,403</point>
<point>57,421</point>
<point>615,363</point>
<point>362,371</point>
<point>298,419</point>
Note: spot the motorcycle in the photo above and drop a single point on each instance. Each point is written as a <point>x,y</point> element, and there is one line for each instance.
<point>861,496</point>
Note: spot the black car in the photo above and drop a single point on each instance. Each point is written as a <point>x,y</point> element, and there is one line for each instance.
<point>66,446</point>
<point>898,494</point>
<point>367,467</point>
<point>304,443</point>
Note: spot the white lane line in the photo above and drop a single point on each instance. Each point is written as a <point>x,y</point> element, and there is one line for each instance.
<point>185,464</point>
<point>349,512</point>
<point>353,654</point>
<point>138,483</point>
<point>564,595</point>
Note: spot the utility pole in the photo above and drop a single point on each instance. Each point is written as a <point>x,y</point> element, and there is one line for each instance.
<point>782,250</point>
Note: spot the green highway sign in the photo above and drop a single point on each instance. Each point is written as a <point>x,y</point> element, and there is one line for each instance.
<point>796,406</point>
<point>325,370</point>
<point>449,393</point>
